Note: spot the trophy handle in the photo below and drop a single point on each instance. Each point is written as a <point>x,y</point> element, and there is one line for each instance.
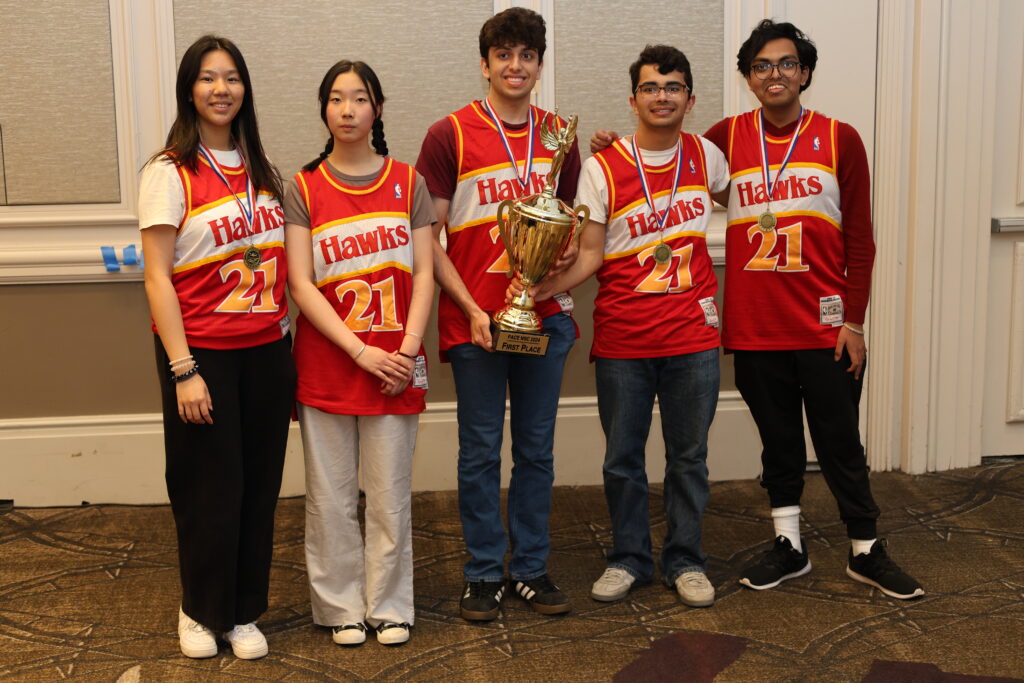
<point>582,218</point>
<point>506,205</point>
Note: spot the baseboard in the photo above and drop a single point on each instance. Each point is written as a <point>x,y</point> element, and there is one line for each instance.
<point>119,458</point>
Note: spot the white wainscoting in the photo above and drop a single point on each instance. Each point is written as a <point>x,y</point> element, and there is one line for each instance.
<point>119,458</point>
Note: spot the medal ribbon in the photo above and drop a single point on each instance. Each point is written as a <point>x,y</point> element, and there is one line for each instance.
<point>765,173</point>
<point>663,216</point>
<point>524,181</point>
<point>250,192</point>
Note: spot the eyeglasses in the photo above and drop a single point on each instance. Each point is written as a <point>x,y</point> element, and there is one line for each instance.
<point>653,89</point>
<point>787,69</point>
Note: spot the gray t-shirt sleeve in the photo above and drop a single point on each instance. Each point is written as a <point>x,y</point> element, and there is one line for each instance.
<point>295,210</point>
<point>423,215</point>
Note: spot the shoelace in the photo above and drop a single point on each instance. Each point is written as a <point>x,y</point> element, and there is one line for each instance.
<point>242,629</point>
<point>196,627</point>
<point>694,579</point>
<point>542,584</point>
<point>385,625</point>
<point>480,588</point>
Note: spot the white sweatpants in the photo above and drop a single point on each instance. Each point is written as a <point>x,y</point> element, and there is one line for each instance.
<point>347,583</point>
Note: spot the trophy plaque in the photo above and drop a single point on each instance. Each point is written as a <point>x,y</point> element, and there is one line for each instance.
<point>535,230</point>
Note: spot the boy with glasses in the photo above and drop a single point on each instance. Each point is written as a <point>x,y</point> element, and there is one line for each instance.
<point>655,323</point>
<point>799,254</point>
<point>485,152</point>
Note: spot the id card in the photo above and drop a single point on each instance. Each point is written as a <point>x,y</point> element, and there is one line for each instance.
<point>419,373</point>
<point>710,311</point>
<point>286,325</point>
<point>565,301</point>
<point>831,310</point>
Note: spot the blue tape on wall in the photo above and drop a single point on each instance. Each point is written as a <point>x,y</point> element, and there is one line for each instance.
<point>129,256</point>
<point>110,259</point>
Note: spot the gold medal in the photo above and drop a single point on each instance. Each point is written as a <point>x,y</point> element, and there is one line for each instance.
<point>766,221</point>
<point>662,253</point>
<point>252,257</point>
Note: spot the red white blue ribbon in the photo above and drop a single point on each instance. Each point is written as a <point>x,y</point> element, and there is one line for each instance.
<point>250,191</point>
<point>769,185</point>
<point>524,181</point>
<point>662,216</point>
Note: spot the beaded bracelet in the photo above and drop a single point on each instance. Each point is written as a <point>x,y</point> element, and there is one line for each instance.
<point>180,360</point>
<point>185,375</point>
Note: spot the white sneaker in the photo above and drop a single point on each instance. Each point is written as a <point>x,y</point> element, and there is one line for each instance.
<point>613,585</point>
<point>390,633</point>
<point>349,634</point>
<point>695,590</point>
<point>196,641</point>
<point>247,642</point>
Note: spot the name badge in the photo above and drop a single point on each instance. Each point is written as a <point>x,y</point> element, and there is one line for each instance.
<point>710,311</point>
<point>831,310</point>
<point>419,373</point>
<point>286,325</point>
<point>565,301</point>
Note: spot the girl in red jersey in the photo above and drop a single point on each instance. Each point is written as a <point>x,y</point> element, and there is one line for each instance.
<point>360,269</point>
<point>212,230</point>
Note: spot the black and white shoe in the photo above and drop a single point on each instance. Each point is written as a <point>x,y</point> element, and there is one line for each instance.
<point>391,633</point>
<point>542,595</point>
<point>481,600</point>
<point>779,564</point>
<point>877,569</point>
<point>349,634</point>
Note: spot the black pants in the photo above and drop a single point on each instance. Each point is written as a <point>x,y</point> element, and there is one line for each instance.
<point>778,386</point>
<point>224,478</point>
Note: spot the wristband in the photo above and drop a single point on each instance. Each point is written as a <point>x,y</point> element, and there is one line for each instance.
<point>853,329</point>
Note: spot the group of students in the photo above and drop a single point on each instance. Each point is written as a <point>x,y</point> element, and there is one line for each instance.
<point>357,237</point>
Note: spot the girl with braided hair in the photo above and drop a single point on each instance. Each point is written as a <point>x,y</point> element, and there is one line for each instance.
<point>358,236</point>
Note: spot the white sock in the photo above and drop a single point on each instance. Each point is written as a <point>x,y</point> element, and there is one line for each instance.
<point>861,547</point>
<point>787,523</point>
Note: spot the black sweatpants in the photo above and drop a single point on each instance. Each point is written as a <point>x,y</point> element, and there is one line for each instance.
<point>224,478</point>
<point>778,386</point>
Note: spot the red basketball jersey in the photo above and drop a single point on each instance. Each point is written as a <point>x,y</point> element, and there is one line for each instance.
<point>784,288</point>
<point>485,178</point>
<point>224,303</point>
<point>362,260</point>
<point>647,309</point>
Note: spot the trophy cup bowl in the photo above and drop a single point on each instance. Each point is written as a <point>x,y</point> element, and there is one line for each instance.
<point>535,230</point>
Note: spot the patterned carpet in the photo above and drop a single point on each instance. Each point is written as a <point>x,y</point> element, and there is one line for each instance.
<point>91,593</point>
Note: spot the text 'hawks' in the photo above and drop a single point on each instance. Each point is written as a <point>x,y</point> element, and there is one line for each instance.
<point>225,231</point>
<point>682,210</point>
<point>793,187</point>
<point>336,249</point>
<point>492,190</point>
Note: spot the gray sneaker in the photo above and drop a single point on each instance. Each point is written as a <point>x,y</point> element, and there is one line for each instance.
<point>613,585</point>
<point>695,590</point>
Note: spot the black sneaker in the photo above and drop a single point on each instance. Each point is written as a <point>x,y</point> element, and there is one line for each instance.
<point>780,563</point>
<point>481,600</point>
<point>542,595</point>
<point>877,569</point>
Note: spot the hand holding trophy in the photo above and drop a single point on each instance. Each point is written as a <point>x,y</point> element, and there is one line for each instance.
<point>536,230</point>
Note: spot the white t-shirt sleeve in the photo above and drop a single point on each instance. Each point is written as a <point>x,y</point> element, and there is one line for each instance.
<point>592,190</point>
<point>718,167</point>
<point>161,196</point>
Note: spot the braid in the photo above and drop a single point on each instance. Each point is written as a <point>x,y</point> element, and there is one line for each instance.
<point>311,166</point>
<point>379,145</point>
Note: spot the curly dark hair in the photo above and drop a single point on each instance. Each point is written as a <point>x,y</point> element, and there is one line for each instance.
<point>514,26</point>
<point>767,31</point>
<point>666,58</point>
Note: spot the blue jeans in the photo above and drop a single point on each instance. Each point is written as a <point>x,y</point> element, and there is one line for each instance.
<point>687,389</point>
<point>533,386</point>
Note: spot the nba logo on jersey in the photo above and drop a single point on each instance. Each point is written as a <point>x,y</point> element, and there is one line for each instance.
<point>398,190</point>
<point>817,143</point>
<point>693,169</point>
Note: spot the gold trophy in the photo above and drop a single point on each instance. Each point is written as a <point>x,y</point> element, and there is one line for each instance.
<point>535,230</point>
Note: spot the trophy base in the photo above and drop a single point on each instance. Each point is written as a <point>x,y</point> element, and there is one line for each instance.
<point>519,343</point>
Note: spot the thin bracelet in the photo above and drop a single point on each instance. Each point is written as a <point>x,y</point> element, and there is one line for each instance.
<point>853,329</point>
<point>405,355</point>
<point>413,334</point>
<point>359,352</point>
<point>185,375</point>
<point>175,362</point>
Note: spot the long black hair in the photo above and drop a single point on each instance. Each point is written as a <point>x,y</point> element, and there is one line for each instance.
<point>183,139</point>
<point>372,85</point>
